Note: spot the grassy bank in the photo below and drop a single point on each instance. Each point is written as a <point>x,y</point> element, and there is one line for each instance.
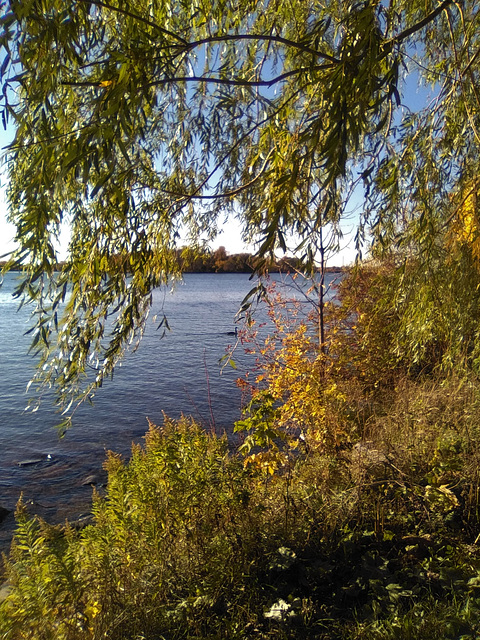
<point>377,540</point>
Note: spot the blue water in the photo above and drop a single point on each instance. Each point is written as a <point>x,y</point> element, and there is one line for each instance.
<point>177,374</point>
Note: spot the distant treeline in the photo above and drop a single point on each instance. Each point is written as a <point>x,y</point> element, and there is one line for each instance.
<point>219,261</point>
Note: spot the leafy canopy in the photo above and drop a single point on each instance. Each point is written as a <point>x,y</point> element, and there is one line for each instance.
<point>141,121</point>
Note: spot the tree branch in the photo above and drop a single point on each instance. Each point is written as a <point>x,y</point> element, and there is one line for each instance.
<point>470,64</point>
<point>419,25</point>
<point>226,194</point>
<point>235,145</point>
<point>135,16</point>
<point>208,79</point>
<point>239,83</point>
<point>267,38</point>
<point>213,39</point>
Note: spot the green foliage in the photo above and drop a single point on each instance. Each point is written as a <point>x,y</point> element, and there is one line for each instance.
<point>137,124</point>
<point>412,315</point>
<point>172,537</point>
<point>376,541</point>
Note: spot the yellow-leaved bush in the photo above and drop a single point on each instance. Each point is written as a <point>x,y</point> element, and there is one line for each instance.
<point>300,391</point>
<point>465,227</point>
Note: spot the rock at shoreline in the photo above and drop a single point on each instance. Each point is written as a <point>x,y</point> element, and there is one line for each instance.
<point>3,513</point>
<point>82,521</point>
<point>5,590</point>
<point>95,480</point>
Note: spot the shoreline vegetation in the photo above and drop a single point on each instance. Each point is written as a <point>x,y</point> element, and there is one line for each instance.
<point>351,510</point>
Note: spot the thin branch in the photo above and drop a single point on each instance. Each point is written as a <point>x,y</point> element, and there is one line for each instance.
<point>226,194</point>
<point>419,25</point>
<point>439,74</point>
<point>215,39</point>
<point>458,209</point>
<point>240,83</point>
<point>467,69</point>
<point>472,61</point>
<point>267,38</point>
<point>60,136</point>
<point>135,16</point>
<point>234,146</point>
<point>209,79</point>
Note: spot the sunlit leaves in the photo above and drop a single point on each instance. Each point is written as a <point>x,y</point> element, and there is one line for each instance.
<point>142,123</point>
<point>465,227</point>
<point>297,395</point>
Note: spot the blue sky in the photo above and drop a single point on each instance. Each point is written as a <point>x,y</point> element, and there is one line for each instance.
<point>6,230</point>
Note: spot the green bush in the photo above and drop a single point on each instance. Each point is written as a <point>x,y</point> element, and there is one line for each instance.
<point>171,540</point>
<point>405,315</point>
<point>189,541</point>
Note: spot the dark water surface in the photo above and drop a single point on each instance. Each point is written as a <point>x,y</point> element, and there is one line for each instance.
<point>177,374</point>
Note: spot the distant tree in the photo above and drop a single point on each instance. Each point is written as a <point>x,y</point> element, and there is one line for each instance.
<point>141,121</point>
<point>241,262</point>
<point>220,259</point>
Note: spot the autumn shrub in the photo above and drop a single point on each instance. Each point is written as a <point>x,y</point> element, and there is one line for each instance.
<point>412,316</point>
<point>301,391</point>
<point>177,532</point>
<point>365,324</point>
<point>192,541</point>
<point>352,511</point>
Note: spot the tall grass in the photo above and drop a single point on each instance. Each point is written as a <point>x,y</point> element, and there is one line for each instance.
<point>376,541</point>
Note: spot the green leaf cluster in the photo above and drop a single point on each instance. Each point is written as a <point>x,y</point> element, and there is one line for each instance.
<point>143,122</point>
<point>170,539</point>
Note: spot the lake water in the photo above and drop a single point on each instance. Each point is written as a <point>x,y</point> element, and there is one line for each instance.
<point>177,374</point>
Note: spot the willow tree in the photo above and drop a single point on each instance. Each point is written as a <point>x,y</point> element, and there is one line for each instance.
<point>140,122</point>
<point>423,201</point>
